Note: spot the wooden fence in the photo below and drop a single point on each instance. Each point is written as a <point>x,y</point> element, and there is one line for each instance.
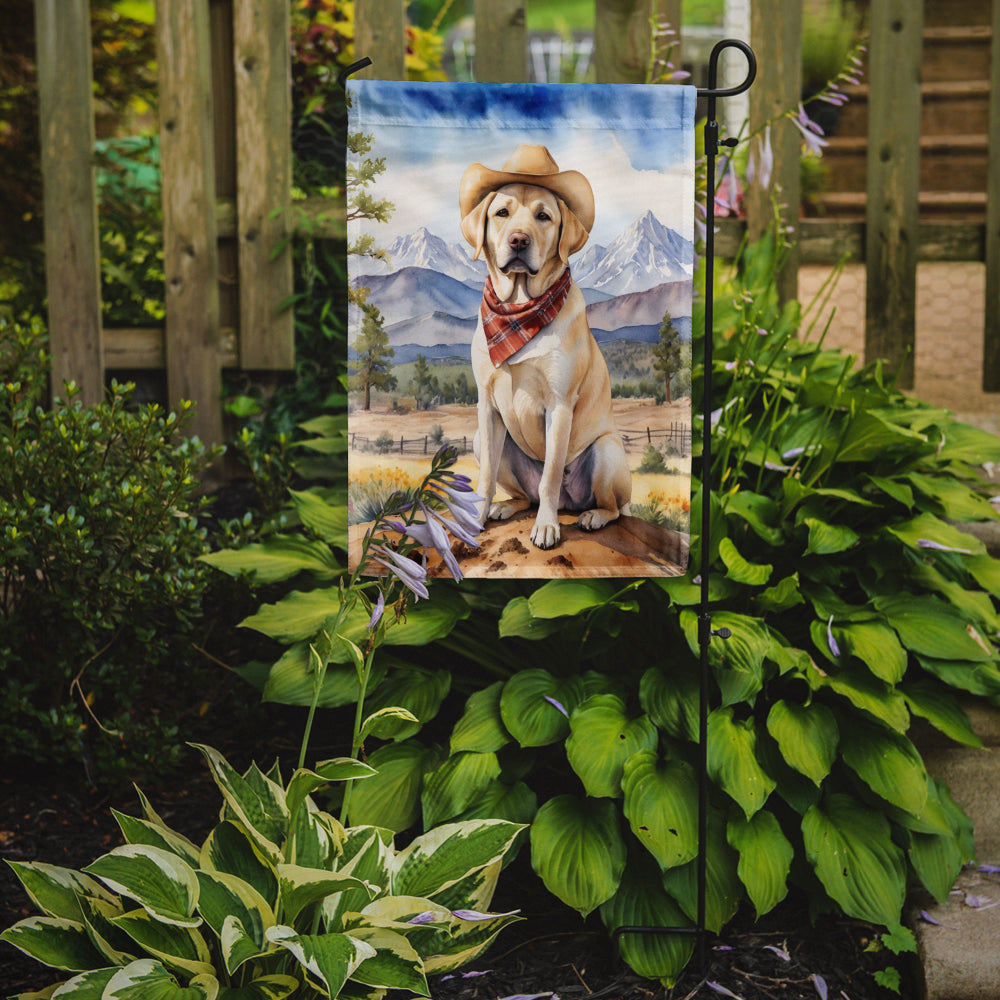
<point>226,161</point>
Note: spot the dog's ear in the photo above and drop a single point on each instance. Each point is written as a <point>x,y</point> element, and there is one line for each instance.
<point>573,236</point>
<point>474,225</point>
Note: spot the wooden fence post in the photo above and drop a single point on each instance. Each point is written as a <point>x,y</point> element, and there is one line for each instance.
<point>621,40</point>
<point>190,251</point>
<point>501,37</point>
<point>72,255</point>
<point>380,34</point>
<point>776,34</point>
<point>262,61</point>
<point>893,183</point>
<point>991,332</point>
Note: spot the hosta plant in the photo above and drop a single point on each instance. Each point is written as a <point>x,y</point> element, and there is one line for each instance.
<point>279,900</point>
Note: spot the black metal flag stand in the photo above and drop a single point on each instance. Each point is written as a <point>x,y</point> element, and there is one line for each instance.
<point>705,631</point>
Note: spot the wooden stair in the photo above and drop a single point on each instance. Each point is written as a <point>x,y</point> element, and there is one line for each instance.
<point>955,92</point>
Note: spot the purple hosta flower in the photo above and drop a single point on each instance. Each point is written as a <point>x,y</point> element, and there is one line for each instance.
<point>834,648</point>
<point>461,502</point>
<point>377,612</point>
<point>558,705</point>
<point>989,869</point>
<point>465,975</point>
<point>820,983</point>
<point>475,915</point>
<point>811,132</point>
<point>927,918</point>
<point>780,952</point>
<point>411,574</point>
<point>927,543</point>
<point>719,988</point>
<point>431,535</point>
<point>761,163</point>
<point>427,917</point>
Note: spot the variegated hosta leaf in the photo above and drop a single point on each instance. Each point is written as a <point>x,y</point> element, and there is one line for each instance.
<point>535,706</point>
<point>807,736</point>
<point>578,851</point>
<point>441,857</point>
<point>723,889</point>
<point>642,902</point>
<point>475,891</point>
<point>481,727</point>
<point>256,801</point>
<point>99,915</point>
<point>315,838</point>
<point>329,959</point>
<point>275,987</point>
<point>661,805</point>
<point>467,941</point>
<point>177,947</point>
<point>367,853</point>
<point>395,964</point>
<point>602,737</point>
<point>301,887</point>
<point>230,849</point>
<point>851,849</point>
<point>304,782</point>
<point>54,941</point>
<point>149,980</point>
<point>141,831</point>
<point>456,784</point>
<point>765,858</point>
<point>158,880</point>
<point>56,891</point>
<point>732,760</point>
<point>86,986</point>
<point>225,897</point>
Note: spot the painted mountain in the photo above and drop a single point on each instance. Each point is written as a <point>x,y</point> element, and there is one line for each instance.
<point>430,293</point>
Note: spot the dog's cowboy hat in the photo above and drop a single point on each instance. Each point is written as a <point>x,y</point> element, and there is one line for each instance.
<point>529,165</point>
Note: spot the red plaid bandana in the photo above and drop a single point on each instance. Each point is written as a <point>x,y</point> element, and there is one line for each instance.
<point>509,327</point>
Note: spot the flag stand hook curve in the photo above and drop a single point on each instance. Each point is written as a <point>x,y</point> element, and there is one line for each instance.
<point>705,630</point>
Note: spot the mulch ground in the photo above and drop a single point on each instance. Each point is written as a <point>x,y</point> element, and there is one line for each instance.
<point>550,953</point>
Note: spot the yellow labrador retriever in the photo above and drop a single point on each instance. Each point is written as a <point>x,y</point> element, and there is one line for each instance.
<point>546,434</point>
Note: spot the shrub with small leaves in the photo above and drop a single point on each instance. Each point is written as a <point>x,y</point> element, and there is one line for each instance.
<point>99,546</point>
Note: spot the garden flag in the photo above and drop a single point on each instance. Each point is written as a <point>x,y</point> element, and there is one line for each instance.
<point>520,266</point>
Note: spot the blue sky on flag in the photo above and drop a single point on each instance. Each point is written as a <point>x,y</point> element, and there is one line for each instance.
<point>634,144</point>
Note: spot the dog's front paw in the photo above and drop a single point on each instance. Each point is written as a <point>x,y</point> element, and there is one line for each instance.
<point>545,535</point>
<point>503,510</point>
<point>591,520</point>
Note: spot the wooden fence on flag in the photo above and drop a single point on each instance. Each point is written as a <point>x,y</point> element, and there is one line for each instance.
<point>225,110</point>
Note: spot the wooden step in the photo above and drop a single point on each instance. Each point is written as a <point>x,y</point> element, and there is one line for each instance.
<point>956,53</point>
<point>941,13</point>
<point>957,206</point>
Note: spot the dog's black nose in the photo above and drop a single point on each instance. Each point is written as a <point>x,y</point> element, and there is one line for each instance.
<point>519,241</point>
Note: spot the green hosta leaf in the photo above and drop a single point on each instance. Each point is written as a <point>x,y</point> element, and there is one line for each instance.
<point>149,980</point>
<point>783,595</point>
<point>330,959</point>
<point>941,709</point>
<point>732,760</point>
<point>141,831</point>
<point>931,628</point>
<point>327,520</point>
<point>301,887</point>
<point>765,858</point>
<point>602,738</point>
<point>180,948</point>
<point>671,699</point>
<point>870,436</point>
<point>481,728</point>
<point>535,706</point>
<point>758,511</point>
<point>274,987</point>
<point>230,849</point>
<point>225,897</point>
<point>738,661</point>
<point>850,847</point>
<point>391,798</point>
<point>387,723</point>
<point>976,678</point>
<point>723,889</point>
<point>438,859</point>
<point>738,569</point>
<point>578,851</point>
<point>937,857</point>
<point>888,763</point>
<point>560,598</point>
<point>417,690</point>
<point>159,881</point>
<point>957,501</point>
<point>975,605</point>
<point>986,572</point>
<point>972,445</point>
<point>641,901</point>
<point>292,681</point>
<point>456,784</point>
<point>395,964</point>
<point>866,692</point>
<point>928,528</point>
<point>876,646</point>
<point>279,558</point>
<point>894,489</point>
<point>54,941</point>
<point>661,799</point>
<point>807,736</point>
<point>56,891</point>
<point>517,620</point>
<point>828,539</point>
<point>260,809</point>
<point>516,803</point>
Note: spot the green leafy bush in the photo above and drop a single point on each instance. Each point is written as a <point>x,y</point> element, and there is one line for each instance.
<point>101,584</point>
<point>280,899</point>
